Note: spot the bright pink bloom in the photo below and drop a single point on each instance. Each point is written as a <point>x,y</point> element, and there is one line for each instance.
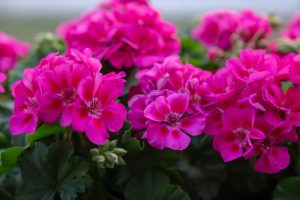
<point>253,65</point>
<point>294,72</point>
<point>216,28</point>
<point>293,29</point>
<point>253,26</point>
<point>26,106</point>
<point>222,28</point>
<point>293,105</point>
<point>10,51</point>
<point>97,111</point>
<point>168,123</point>
<point>60,86</point>
<point>273,157</point>
<point>234,140</point>
<point>2,78</point>
<point>125,34</point>
<point>70,89</point>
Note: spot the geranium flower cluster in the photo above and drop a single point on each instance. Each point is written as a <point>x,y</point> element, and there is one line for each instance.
<point>124,33</point>
<point>253,115</point>
<point>221,29</point>
<point>167,104</point>
<point>69,89</point>
<point>10,51</point>
<point>2,78</point>
<point>293,29</point>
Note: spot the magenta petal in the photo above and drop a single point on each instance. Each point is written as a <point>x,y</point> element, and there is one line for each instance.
<point>114,116</point>
<point>273,161</point>
<point>152,113</point>
<point>23,123</point>
<point>162,106</point>
<point>234,118</point>
<point>178,102</point>
<point>80,118</point>
<point>67,116</point>
<point>51,108</point>
<point>177,140</point>
<point>193,125</point>
<point>96,131</point>
<point>137,119</point>
<point>256,134</point>
<point>86,89</point>
<point>230,151</point>
<point>156,135</point>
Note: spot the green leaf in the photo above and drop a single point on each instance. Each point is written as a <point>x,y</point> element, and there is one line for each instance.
<point>288,189</point>
<point>9,157</point>
<point>131,143</point>
<point>154,186</point>
<point>52,171</point>
<point>204,176</point>
<point>44,131</point>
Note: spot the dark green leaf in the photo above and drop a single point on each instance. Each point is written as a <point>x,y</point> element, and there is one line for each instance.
<point>52,171</point>
<point>131,143</point>
<point>154,186</point>
<point>288,189</point>
<point>9,157</point>
<point>44,131</point>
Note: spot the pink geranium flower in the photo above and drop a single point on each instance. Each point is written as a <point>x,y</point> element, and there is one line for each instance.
<point>221,29</point>
<point>27,94</point>
<point>293,105</point>
<point>293,29</point>
<point>273,157</point>
<point>168,125</point>
<point>10,51</point>
<point>294,70</point>
<point>125,34</point>
<point>253,26</point>
<point>2,78</point>
<point>70,89</point>
<point>216,28</point>
<point>253,65</point>
<point>60,87</point>
<point>234,140</point>
<point>97,111</point>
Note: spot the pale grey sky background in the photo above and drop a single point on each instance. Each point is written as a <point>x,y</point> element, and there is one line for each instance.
<point>25,17</point>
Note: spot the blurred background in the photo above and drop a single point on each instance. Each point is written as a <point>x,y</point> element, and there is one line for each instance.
<point>25,18</point>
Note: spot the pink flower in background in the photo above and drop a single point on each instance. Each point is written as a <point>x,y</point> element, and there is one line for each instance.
<point>216,28</point>
<point>168,125</point>
<point>223,28</point>
<point>10,51</point>
<point>2,78</point>
<point>70,89</point>
<point>293,29</point>
<point>235,139</point>
<point>253,26</point>
<point>125,34</point>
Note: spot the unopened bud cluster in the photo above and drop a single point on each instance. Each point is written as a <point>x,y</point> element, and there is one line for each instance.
<point>108,155</point>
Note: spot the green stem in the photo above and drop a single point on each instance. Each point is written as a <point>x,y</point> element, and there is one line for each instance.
<point>68,134</point>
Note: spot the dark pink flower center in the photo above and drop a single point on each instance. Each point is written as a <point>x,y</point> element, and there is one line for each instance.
<point>31,104</point>
<point>243,134</point>
<point>172,118</point>
<point>95,106</point>
<point>69,95</point>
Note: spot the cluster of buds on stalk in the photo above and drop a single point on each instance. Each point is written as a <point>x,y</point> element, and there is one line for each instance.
<point>108,155</point>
